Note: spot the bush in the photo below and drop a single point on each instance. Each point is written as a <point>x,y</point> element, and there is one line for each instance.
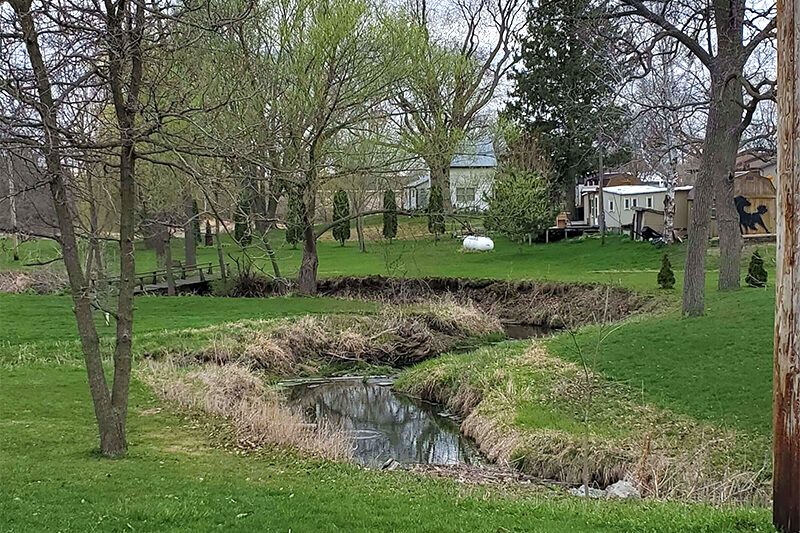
<point>666,277</point>
<point>341,209</point>
<point>521,205</point>
<point>756,273</point>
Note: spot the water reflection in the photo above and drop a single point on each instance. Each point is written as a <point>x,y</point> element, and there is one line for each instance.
<point>384,424</point>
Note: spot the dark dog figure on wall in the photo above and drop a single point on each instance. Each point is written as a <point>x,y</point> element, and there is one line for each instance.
<point>749,221</point>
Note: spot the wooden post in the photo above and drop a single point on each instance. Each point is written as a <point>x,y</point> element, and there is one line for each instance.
<point>786,376</point>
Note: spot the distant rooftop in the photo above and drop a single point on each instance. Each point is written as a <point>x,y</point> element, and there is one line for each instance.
<point>624,190</point>
<point>478,154</point>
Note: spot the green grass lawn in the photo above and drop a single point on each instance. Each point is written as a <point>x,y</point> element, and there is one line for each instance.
<point>716,369</point>
<point>176,479</point>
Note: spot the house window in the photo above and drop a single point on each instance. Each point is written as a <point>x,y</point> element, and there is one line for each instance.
<point>611,205</point>
<point>465,195</point>
<point>635,202</point>
<point>627,203</point>
<point>649,202</point>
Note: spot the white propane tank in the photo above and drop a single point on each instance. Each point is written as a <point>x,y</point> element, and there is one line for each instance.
<point>482,244</point>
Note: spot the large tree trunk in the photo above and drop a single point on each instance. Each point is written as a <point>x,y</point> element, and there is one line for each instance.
<point>110,424</point>
<point>716,170</point>
<point>307,276</point>
<point>786,377</point>
<point>440,175</point>
<point>189,242</point>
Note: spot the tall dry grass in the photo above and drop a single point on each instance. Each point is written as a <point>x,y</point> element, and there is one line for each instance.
<point>237,394</point>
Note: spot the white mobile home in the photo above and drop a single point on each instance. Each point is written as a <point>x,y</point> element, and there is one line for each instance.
<point>620,203</point>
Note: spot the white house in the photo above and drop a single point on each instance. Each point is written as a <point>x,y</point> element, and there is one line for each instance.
<point>620,203</point>
<point>472,174</point>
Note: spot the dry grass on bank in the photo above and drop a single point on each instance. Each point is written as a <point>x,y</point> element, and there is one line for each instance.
<point>396,337</point>
<point>46,280</point>
<point>525,407</point>
<point>237,394</point>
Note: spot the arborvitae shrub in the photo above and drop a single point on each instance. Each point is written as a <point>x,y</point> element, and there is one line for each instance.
<point>756,273</point>
<point>666,277</point>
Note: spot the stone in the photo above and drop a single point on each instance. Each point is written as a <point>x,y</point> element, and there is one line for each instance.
<point>391,464</point>
<point>593,493</point>
<point>623,490</point>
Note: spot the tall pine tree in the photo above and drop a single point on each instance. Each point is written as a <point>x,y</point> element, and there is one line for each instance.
<point>341,209</point>
<point>389,215</point>
<point>563,90</point>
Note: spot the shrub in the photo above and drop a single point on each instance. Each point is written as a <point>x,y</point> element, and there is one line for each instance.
<point>521,205</point>
<point>390,215</point>
<point>756,273</point>
<point>666,277</point>
<point>341,209</point>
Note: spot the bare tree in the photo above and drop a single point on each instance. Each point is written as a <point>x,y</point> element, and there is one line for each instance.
<point>722,36</point>
<point>452,80</point>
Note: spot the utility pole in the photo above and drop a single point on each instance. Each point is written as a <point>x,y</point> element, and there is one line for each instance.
<point>786,373</point>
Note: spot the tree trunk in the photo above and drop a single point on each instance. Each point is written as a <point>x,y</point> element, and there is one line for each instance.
<point>602,205</point>
<point>570,183</point>
<point>189,243</point>
<point>716,168</point>
<point>110,426</point>
<point>12,204</point>
<point>170,275</point>
<point>786,382</point>
<point>440,175</point>
<point>307,276</point>
<point>362,243</point>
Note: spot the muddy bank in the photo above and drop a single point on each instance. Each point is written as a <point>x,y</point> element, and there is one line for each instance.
<point>551,304</point>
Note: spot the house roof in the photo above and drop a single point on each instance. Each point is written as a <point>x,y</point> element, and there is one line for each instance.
<point>626,190</point>
<point>417,182</point>
<point>478,154</point>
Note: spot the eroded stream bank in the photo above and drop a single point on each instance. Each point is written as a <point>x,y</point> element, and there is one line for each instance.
<point>548,304</point>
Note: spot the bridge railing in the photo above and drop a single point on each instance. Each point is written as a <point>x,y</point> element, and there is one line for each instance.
<point>179,271</point>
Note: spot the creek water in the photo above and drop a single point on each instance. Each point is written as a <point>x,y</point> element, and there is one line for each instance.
<point>518,331</point>
<point>383,423</point>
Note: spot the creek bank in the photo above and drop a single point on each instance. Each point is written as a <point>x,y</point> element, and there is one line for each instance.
<point>532,303</point>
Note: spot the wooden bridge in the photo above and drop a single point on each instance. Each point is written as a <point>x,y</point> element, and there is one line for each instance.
<point>185,277</point>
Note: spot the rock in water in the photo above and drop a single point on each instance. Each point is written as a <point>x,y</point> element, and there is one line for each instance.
<point>623,490</point>
<point>593,493</point>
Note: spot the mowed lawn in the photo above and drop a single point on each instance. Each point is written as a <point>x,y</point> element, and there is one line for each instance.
<point>176,478</point>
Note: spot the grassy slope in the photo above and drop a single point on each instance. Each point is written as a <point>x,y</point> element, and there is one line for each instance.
<point>717,367</point>
<point>173,480</point>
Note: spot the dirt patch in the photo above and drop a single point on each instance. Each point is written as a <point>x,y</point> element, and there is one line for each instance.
<point>524,302</point>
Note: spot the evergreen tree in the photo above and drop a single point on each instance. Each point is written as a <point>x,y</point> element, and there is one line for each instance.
<point>341,209</point>
<point>294,219</point>
<point>666,277</point>
<point>389,215</point>
<point>436,212</point>
<point>561,93</point>
<point>756,273</point>
<point>241,220</point>
<point>196,222</point>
